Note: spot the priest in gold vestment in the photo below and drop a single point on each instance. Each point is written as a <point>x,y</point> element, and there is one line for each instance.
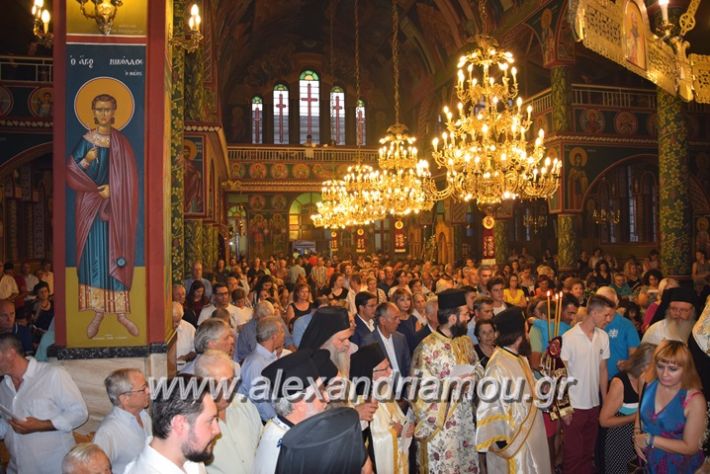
<point>445,428</point>
<point>511,431</point>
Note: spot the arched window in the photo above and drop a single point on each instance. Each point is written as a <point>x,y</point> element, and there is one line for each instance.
<point>309,105</point>
<point>280,114</point>
<point>337,116</point>
<point>257,115</point>
<point>360,130</point>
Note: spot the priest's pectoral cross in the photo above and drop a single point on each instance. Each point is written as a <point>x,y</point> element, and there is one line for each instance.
<point>309,99</point>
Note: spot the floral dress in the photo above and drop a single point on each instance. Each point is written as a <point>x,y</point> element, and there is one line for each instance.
<point>667,423</point>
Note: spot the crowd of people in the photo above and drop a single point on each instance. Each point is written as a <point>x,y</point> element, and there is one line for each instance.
<point>612,362</point>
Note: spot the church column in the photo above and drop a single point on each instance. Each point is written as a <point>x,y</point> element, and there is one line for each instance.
<point>206,246</point>
<point>501,234</point>
<point>567,248</point>
<point>177,177</point>
<point>194,235</point>
<point>674,208</point>
<point>561,88</point>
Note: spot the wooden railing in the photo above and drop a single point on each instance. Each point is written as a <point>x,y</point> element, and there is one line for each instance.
<point>26,69</point>
<point>599,96</point>
<point>326,154</point>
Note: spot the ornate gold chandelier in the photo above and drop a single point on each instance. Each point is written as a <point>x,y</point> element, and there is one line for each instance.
<point>484,147</point>
<point>332,210</point>
<point>404,180</point>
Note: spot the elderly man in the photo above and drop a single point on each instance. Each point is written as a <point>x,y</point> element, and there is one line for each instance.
<point>185,424</point>
<point>123,432</point>
<point>213,334</point>
<point>86,458</point>
<point>294,402</point>
<point>197,275</point>
<point>8,325</point>
<point>392,343</point>
<point>221,299</point>
<point>330,329</point>
<point>46,406</point>
<point>239,419</point>
<point>269,337</point>
<point>678,321</point>
<point>247,335</point>
<point>445,427</point>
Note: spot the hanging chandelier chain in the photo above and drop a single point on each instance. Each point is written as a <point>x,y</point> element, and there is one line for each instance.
<point>395,58</point>
<point>332,49</point>
<point>357,50</point>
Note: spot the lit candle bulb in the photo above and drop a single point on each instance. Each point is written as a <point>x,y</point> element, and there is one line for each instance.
<point>45,20</point>
<point>664,9</point>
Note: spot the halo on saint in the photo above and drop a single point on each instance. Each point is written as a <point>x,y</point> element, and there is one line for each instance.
<point>125,103</point>
<point>190,148</point>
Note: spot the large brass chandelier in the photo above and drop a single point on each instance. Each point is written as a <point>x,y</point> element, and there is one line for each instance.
<point>404,179</point>
<point>484,148</point>
<point>356,199</point>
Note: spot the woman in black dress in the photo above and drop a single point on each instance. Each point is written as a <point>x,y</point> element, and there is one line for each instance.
<point>194,302</point>
<point>619,411</point>
<point>337,287</point>
<point>301,305</point>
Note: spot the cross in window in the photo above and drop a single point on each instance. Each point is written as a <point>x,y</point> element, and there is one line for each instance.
<point>281,106</point>
<point>360,126</point>
<point>257,125</point>
<point>337,108</point>
<point>309,99</point>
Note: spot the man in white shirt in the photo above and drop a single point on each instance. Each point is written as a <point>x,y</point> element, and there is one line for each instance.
<point>305,366</point>
<point>585,350</point>
<point>392,343</point>
<point>123,432</point>
<point>220,300</point>
<point>185,424</point>
<point>239,419</point>
<point>244,312</point>
<point>30,281</point>
<point>355,288</point>
<point>46,406</point>
<point>185,345</point>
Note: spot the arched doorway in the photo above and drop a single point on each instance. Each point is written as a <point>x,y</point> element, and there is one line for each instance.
<point>300,225</point>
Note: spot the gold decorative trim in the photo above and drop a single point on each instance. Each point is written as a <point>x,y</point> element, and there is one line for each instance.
<point>620,31</point>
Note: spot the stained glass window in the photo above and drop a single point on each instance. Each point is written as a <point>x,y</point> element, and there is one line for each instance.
<point>257,116</point>
<point>360,129</point>
<point>280,114</point>
<point>309,106</point>
<point>337,116</point>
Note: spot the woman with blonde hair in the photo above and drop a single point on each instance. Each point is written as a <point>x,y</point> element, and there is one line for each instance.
<point>671,419</point>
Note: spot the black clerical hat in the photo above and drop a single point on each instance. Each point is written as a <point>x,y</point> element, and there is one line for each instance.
<point>294,373</point>
<point>683,294</point>
<point>510,321</point>
<point>365,359</point>
<point>329,443</point>
<point>451,298</point>
<point>326,321</point>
